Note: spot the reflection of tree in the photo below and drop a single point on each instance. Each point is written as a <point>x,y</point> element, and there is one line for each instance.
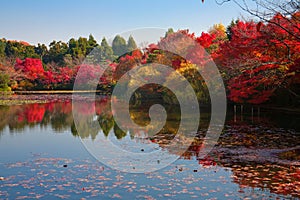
<point>74,130</point>
<point>106,123</point>
<point>56,114</point>
<point>258,154</point>
<point>119,133</point>
<point>4,110</point>
<point>86,127</point>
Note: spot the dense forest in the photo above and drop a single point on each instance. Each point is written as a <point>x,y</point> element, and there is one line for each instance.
<point>259,61</point>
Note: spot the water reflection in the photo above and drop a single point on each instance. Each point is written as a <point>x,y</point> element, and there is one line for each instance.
<point>260,152</point>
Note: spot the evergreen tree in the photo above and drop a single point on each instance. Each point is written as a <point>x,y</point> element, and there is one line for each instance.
<point>119,46</point>
<point>73,47</point>
<point>228,29</point>
<point>57,51</point>
<point>14,49</point>
<point>83,44</point>
<point>92,43</point>
<point>131,45</point>
<point>107,52</point>
<point>41,50</point>
<point>2,47</point>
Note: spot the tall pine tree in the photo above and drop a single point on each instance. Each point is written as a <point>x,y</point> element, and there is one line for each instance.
<point>119,46</point>
<point>131,45</point>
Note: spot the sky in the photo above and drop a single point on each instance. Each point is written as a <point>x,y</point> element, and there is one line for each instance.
<point>42,21</point>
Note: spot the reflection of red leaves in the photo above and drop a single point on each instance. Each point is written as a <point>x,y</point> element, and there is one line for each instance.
<point>32,113</point>
<point>67,107</point>
<point>20,118</point>
<point>49,106</point>
<point>102,106</point>
<point>207,161</point>
<point>85,108</point>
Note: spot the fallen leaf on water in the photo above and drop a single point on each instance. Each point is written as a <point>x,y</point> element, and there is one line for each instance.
<point>116,196</point>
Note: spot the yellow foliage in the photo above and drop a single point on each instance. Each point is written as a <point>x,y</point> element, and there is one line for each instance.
<point>219,30</point>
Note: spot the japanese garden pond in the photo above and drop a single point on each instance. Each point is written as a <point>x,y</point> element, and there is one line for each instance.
<point>42,156</point>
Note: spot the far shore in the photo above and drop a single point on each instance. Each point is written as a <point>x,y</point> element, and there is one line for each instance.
<point>27,97</point>
<point>54,92</point>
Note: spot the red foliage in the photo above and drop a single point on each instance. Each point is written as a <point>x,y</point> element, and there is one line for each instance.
<point>258,59</point>
<point>34,113</point>
<point>31,67</point>
<point>88,73</point>
<point>152,47</point>
<point>205,39</point>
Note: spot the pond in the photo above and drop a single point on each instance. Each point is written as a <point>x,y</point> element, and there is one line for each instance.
<point>43,154</point>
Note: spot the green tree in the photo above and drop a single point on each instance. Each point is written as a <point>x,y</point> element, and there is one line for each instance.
<point>30,52</point>
<point>2,47</point>
<point>119,133</point>
<point>119,45</point>
<point>131,45</point>
<point>92,43</point>
<point>57,51</point>
<point>107,52</point>
<point>170,31</point>
<point>106,123</point>
<point>83,44</point>
<point>73,48</point>
<point>4,80</point>
<point>41,50</point>
<point>14,49</point>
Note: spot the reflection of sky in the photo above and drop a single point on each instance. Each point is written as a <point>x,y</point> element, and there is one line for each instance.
<point>129,159</point>
<point>136,144</point>
<point>35,140</point>
<point>47,20</point>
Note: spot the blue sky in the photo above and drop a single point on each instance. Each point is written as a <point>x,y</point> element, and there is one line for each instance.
<point>41,21</point>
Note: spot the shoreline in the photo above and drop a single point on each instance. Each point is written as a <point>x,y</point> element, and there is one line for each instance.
<point>26,97</point>
<point>53,92</point>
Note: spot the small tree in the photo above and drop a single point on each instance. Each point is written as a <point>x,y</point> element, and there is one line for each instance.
<point>4,80</point>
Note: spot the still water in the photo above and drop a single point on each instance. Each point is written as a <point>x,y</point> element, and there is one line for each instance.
<point>42,156</point>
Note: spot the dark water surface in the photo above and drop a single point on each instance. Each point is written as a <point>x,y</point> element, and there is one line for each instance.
<point>42,156</point>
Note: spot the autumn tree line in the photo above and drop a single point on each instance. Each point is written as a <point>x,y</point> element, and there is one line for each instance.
<point>259,60</point>
<point>21,64</point>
